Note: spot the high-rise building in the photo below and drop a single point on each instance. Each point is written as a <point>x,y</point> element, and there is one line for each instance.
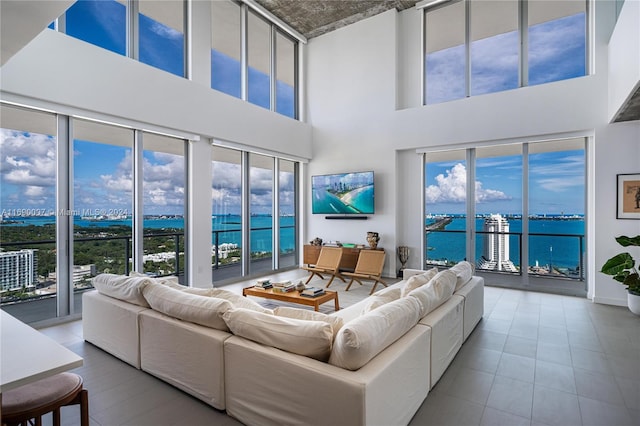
<point>496,245</point>
<point>18,269</point>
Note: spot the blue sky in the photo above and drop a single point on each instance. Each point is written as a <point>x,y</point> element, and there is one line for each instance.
<point>103,172</point>
<point>556,52</point>
<point>556,184</point>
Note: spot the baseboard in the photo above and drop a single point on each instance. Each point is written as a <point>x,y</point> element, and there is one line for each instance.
<point>610,301</point>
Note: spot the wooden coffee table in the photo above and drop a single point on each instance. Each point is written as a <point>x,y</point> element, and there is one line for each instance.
<point>293,297</point>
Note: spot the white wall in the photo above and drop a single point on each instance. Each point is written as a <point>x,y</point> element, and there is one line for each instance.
<point>364,119</point>
<point>351,92</point>
<point>617,151</point>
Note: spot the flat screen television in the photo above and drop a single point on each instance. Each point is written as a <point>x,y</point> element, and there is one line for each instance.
<point>343,193</point>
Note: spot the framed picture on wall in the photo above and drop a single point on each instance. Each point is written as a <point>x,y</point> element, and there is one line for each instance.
<point>628,196</point>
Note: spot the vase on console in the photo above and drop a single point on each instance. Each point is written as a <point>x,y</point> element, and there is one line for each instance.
<point>403,255</point>
<point>372,239</point>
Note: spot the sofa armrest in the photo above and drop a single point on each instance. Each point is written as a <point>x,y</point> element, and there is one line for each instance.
<point>267,386</point>
<point>112,325</point>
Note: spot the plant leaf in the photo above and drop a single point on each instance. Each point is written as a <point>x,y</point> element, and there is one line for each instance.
<point>632,280</point>
<point>625,241</point>
<point>617,264</point>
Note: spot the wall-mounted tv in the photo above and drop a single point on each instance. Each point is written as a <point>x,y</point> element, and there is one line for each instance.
<point>344,193</point>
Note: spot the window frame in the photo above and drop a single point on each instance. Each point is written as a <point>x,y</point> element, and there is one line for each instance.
<point>523,36</point>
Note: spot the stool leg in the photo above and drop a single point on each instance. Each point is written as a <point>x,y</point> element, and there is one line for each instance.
<point>84,408</point>
<point>56,417</point>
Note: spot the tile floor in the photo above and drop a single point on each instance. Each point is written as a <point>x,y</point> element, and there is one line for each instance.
<point>535,359</point>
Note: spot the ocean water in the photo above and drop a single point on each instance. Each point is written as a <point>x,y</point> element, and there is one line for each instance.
<point>559,249</point>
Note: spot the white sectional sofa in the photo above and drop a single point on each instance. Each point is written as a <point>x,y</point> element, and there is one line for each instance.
<point>384,353</point>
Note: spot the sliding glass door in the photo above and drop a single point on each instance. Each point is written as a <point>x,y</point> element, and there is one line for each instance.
<point>517,212</point>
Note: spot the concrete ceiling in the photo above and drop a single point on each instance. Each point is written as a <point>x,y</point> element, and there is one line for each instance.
<point>630,111</point>
<point>312,18</point>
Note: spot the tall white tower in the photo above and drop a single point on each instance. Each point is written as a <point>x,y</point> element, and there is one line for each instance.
<point>496,245</point>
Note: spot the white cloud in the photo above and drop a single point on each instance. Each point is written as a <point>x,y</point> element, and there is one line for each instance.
<point>163,181</point>
<point>28,167</point>
<point>451,188</point>
<point>165,31</point>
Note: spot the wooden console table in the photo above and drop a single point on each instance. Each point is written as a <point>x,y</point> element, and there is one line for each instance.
<point>349,259</point>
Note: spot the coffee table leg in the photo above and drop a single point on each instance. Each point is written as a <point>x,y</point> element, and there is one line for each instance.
<point>337,305</point>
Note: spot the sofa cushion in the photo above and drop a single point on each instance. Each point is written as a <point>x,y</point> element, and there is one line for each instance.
<point>122,287</point>
<point>302,337</point>
<point>169,280</point>
<point>236,300</point>
<point>381,297</point>
<point>418,280</point>
<point>437,291</point>
<point>361,339</point>
<point>304,314</point>
<point>201,310</point>
<point>464,272</point>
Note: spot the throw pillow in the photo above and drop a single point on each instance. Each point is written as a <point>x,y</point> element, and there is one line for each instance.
<point>122,287</point>
<point>201,310</point>
<point>236,300</point>
<point>306,338</point>
<point>464,272</point>
<point>381,297</point>
<point>418,280</point>
<point>304,314</point>
<point>361,339</point>
<point>435,292</point>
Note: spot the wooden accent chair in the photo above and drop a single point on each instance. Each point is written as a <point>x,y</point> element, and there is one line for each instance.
<point>369,267</point>
<point>27,404</point>
<point>328,263</point>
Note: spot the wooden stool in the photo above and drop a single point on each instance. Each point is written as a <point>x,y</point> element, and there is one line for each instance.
<point>32,401</point>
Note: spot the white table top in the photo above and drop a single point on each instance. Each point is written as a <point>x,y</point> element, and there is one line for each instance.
<point>27,355</point>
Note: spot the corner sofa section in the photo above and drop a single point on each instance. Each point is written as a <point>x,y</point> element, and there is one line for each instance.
<point>260,384</point>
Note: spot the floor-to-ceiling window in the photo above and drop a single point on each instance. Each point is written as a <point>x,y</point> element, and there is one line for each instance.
<point>28,255</point>
<point>556,208</point>
<point>445,195</point>
<point>287,196</point>
<point>261,212</point>
<point>226,203</point>
<point>498,208</point>
<point>254,205</point>
<point>526,226</point>
<point>163,193</point>
<point>102,200</point>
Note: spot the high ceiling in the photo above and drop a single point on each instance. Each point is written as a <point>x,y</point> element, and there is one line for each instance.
<point>312,18</point>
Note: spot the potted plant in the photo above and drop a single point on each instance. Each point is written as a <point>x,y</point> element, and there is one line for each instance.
<point>623,269</point>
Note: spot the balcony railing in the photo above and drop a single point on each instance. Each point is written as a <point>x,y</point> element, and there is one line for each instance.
<point>113,260</point>
<point>450,244</point>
